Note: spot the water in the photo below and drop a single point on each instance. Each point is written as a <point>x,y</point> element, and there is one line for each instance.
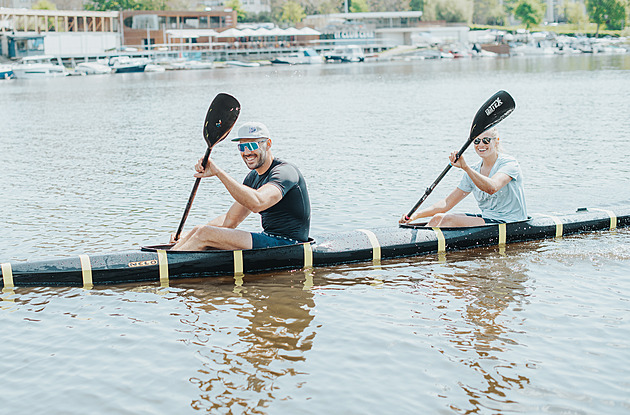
<point>96,164</point>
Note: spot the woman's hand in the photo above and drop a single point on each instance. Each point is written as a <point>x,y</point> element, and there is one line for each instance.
<point>404,219</point>
<point>460,163</point>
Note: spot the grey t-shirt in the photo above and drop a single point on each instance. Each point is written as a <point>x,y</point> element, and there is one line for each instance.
<point>291,216</point>
<point>507,204</point>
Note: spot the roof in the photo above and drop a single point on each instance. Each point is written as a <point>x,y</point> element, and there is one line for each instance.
<point>276,31</point>
<point>191,33</point>
<point>368,15</point>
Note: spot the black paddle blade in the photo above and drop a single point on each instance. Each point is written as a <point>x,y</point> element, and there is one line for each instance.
<point>492,112</point>
<point>220,119</point>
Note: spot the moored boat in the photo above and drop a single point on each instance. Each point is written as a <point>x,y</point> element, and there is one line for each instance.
<point>93,68</point>
<point>303,56</point>
<point>38,67</point>
<point>6,72</point>
<point>349,53</point>
<point>242,63</point>
<point>125,64</point>
<point>158,264</point>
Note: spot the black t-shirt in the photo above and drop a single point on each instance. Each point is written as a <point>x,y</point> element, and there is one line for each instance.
<point>291,216</point>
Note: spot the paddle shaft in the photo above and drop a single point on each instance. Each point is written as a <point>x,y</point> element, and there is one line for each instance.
<point>435,183</point>
<point>192,196</point>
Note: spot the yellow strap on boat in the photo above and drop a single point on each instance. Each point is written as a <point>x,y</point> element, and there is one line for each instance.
<point>613,217</point>
<point>86,270</point>
<point>558,223</point>
<point>308,255</point>
<point>376,246</point>
<point>163,265</point>
<point>441,240</point>
<point>238,262</point>
<point>7,275</point>
<point>502,234</point>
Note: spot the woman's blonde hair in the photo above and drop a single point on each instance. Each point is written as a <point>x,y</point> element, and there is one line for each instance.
<point>493,133</point>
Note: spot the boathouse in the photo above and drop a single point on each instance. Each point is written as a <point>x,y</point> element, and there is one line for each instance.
<point>26,32</point>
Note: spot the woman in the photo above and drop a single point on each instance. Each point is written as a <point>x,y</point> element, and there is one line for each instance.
<point>496,182</point>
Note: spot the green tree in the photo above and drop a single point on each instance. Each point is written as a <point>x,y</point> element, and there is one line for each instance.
<point>359,6</point>
<point>44,5</point>
<point>574,13</point>
<point>530,12</point>
<point>488,12</point>
<point>292,12</point>
<point>238,7</point>
<point>454,10</point>
<point>416,5</point>
<point>104,5</point>
<point>612,13</point>
<point>388,5</point>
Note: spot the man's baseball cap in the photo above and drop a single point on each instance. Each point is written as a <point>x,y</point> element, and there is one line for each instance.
<point>252,130</point>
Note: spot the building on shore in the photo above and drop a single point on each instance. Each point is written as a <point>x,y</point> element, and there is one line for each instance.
<point>74,34</point>
<point>203,35</point>
<point>26,32</point>
<point>381,30</point>
<point>144,28</point>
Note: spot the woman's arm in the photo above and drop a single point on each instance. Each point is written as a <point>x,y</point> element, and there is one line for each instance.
<point>490,185</point>
<point>441,206</point>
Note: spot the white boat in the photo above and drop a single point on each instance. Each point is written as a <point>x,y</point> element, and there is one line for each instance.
<point>123,64</point>
<point>188,64</point>
<point>349,53</point>
<point>93,68</point>
<point>6,72</point>
<point>38,67</point>
<point>532,49</point>
<point>151,67</point>
<point>198,65</point>
<point>242,63</point>
<point>301,57</point>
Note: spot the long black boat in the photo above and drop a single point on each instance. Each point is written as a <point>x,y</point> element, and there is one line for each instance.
<point>158,264</point>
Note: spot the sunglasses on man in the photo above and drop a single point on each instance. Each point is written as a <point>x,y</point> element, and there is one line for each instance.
<point>486,140</point>
<point>250,146</point>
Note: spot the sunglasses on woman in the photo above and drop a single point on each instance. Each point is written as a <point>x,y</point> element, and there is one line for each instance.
<point>486,140</point>
<point>250,146</point>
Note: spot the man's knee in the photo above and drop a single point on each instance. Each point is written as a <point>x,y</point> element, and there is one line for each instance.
<point>204,233</point>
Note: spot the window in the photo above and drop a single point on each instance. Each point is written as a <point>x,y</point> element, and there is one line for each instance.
<point>215,21</point>
<point>194,23</point>
<point>21,45</point>
<point>145,21</point>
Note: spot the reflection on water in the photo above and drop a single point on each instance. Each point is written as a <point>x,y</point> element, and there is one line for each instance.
<point>243,361</point>
<point>485,290</point>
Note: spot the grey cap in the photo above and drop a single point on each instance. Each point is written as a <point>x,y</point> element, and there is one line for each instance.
<point>252,130</point>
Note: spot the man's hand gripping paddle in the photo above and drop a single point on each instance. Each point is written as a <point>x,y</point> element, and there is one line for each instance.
<point>492,112</point>
<point>220,119</point>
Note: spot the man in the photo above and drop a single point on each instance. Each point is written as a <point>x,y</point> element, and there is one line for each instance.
<point>273,188</point>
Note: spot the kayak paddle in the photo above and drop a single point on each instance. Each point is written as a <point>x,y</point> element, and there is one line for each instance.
<point>492,112</point>
<point>220,119</point>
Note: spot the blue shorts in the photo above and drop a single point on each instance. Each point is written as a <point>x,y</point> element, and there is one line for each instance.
<point>265,240</point>
<point>488,221</point>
